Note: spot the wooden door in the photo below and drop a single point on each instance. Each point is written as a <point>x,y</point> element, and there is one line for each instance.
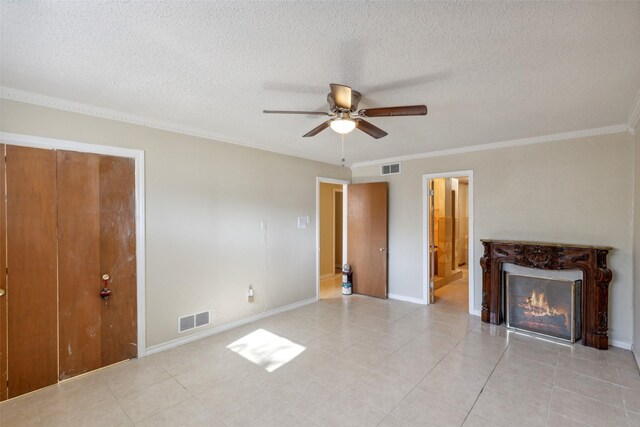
<point>3,283</point>
<point>32,305</point>
<point>118,258</point>
<point>367,237</point>
<point>96,209</point>
<point>79,263</point>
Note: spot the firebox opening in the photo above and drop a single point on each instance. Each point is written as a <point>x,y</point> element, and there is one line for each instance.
<point>544,306</point>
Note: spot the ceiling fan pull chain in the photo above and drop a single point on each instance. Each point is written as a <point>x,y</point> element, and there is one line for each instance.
<point>342,160</point>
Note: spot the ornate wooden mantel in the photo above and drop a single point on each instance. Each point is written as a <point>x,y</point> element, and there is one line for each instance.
<point>591,260</point>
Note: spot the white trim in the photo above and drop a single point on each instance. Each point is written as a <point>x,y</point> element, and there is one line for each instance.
<point>425,234</point>
<point>345,237</point>
<point>504,144</point>
<point>475,313</point>
<point>634,115</point>
<point>345,186</point>
<point>105,113</point>
<point>138,156</point>
<point>408,299</point>
<point>636,356</point>
<point>620,344</point>
<point>333,204</point>
<point>216,330</point>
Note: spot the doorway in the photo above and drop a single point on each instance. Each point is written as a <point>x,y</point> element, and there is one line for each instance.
<point>448,239</point>
<point>331,237</point>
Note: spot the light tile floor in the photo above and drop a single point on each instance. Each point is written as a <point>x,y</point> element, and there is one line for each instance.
<point>455,293</point>
<point>366,362</point>
<point>331,287</point>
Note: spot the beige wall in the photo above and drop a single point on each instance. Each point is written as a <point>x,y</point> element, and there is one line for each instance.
<point>574,191</point>
<point>326,228</point>
<point>204,204</point>
<point>636,246</point>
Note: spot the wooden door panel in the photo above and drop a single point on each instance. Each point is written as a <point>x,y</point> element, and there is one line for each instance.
<point>118,258</point>
<point>367,237</point>
<point>32,273</point>
<point>3,283</point>
<point>79,280</point>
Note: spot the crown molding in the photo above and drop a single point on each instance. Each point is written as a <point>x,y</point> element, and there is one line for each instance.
<point>12,94</point>
<point>634,115</point>
<point>607,130</point>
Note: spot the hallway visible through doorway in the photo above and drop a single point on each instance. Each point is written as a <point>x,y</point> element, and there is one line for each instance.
<point>331,239</point>
<point>448,202</point>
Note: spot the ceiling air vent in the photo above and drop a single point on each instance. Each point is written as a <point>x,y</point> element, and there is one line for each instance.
<point>390,169</point>
<point>193,321</point>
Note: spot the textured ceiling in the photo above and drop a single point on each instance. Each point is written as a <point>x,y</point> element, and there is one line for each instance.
<point>488,72</point>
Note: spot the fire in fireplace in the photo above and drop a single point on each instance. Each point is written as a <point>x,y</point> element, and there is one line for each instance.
<point>544,306</point>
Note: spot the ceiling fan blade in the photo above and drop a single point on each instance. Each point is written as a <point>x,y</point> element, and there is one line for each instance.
<point>409,110</point>
<point>341,95</point>
<point>317,129</point>
<point>315,113</point>
<point>370,129</point>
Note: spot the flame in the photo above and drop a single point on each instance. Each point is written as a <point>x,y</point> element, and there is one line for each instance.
<point>537,305</point>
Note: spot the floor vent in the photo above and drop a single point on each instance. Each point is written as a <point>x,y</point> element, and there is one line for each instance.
<point>193,321</point>
<point>390,169</point>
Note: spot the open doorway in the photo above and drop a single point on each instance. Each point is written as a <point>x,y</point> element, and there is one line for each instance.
<point>331,236</point>
<point>448,239</point>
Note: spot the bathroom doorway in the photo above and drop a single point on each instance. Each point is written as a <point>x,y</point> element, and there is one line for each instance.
<point>448,239</point>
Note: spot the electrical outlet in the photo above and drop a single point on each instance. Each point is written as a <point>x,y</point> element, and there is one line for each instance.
<point>250,294</point>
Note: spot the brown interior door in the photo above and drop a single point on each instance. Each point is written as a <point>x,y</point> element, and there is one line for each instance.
<point>118,258</point>
<point>367,237</point>
<point>79,280</point>
<point>3,283</point>
<point>32,304</point>
<point>96,209</point>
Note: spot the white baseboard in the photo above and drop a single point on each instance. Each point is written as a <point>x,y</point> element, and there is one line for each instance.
<point>407,299</point>
<point>207,333</point>
<point>475,312</point>
<point>636,355</point>
<point>620,344</point>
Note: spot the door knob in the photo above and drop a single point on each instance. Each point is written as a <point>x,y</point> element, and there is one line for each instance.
<point>105,293</point>
<point>2,291</point>
<point>381,249</point>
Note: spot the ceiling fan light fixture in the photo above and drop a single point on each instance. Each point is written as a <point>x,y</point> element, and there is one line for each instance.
<point>343,125</point>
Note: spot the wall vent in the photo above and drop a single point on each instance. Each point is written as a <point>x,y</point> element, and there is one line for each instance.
<point>390,169</point>
<point>193,321</point>
<point>202,318</point>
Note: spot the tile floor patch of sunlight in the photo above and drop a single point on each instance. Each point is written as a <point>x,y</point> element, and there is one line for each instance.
<point>266,349</point>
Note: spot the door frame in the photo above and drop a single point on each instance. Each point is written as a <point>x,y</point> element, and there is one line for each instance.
<point>333,203</point>
<point>345,190</point>
<point>425,235</point>
<point>138,157</point>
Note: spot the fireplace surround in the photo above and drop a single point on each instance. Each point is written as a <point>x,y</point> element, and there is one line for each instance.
<point>590,260</point>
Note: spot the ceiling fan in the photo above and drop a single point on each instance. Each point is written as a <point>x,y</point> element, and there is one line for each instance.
<point>345,116</point>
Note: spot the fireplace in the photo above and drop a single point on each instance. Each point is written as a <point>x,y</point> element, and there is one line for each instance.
<point>591,261</point>
<point>544,306</point>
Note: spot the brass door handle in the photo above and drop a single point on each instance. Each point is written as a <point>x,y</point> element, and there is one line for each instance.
<point>105,293</point>
<point>2,292</point>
